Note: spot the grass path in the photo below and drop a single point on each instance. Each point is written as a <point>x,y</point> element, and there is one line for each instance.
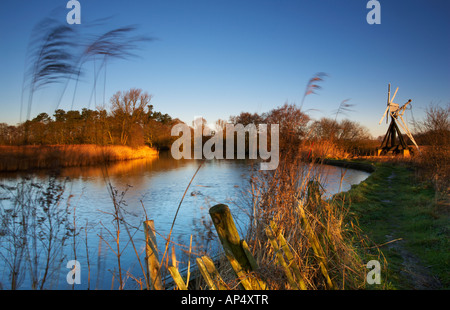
<point>410,226</point>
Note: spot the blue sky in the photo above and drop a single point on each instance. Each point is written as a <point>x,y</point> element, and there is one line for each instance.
<point>218,58</point>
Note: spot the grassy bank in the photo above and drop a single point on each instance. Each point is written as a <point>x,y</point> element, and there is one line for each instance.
<point>357,165</point>
<point>17,158</point>
<point>408,222</point>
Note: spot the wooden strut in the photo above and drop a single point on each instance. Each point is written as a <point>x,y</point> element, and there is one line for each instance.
<point>390,143</point>
<point>151,257</point>
<point>239,255</point>
<point>236,250</point>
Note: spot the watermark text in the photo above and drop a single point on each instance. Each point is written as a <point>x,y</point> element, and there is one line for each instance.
<point>213,148</point>
<point>74,275</point>
<point>374,15</point>
<point>374,275</point>
<point>74,15</point>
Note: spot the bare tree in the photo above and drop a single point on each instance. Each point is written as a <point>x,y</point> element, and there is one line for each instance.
<point>435,128</point>
<point>433,132</point>
<point>292,124</point>
<point>129,110</point>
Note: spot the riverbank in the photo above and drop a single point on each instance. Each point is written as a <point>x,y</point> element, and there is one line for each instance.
<point>408,222</point>
<point>356,165</point>
<point>19,158</point>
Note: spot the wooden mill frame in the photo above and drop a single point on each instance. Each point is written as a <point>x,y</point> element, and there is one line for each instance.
<point>393,141</point>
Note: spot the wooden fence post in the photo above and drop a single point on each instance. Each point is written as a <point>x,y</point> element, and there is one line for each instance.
<point>236,250</point>
<point>177,278</point>
<point>210,273</point>
<point>275,238</point>
<point>151,256</point>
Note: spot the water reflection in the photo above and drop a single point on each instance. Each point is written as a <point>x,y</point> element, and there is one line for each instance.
<point>153,189</point>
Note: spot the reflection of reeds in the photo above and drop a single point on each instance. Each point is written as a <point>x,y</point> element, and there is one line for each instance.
<point>17,158</point>
<point>316,237</point>
<point>35,227</point>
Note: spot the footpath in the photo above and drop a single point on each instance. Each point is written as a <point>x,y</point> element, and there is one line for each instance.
<point>408,223</point>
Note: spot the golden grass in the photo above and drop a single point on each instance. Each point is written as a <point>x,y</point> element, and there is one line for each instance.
<point>321,236</point>
<point>433,165</point>
<point>321,149</point>
<point>19,158</point>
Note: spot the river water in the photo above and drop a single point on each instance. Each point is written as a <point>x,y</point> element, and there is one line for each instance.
<point>149,189</point>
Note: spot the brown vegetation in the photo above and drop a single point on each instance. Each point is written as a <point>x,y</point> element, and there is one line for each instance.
<point>433,133</point>
<point>323,239</point>
<point>16,158</point>
<point>325,242</point>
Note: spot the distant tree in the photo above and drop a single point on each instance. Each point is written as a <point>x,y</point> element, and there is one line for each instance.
<point>324,129</point>
<point>292,125</point>
<point>332,130</point>
<point>128,110</point>
<point>433,132</point>
<point>5,137</point>
<point>221,124</point>
<point>130,121</point>
<point>352,131</point>
<point>246,118</point>
<point>60,115</point>
<point>42,118</point>
<point>434,129</point>
<point>74,127</point>
<point>162,118</point>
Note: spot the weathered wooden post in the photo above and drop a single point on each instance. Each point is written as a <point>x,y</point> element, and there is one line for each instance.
<point>280,258</point>
<point>177,278</point>
<point>151,256</point>
<point>210,273</point>
<point>236,250</point>
<point>315,244</point>
<point>275,238</point>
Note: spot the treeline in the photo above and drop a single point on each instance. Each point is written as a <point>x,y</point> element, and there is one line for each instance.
<point>298,131</point>
<point>130,120</point>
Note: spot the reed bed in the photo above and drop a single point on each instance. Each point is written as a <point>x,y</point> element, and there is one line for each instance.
<point>325,242</point>
<point>433,165</point>
<point>18,158</point>
<point>321,149</point>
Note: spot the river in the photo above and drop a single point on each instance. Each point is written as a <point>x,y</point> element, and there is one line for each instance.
<point>149,189</point>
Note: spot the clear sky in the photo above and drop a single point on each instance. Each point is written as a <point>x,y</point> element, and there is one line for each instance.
<point>216,58</point>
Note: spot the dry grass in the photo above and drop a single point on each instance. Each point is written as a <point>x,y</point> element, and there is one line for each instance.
<point>324,241</point>
<point>17,158</point>
<point>433,165</point>
<point>321,149</point>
